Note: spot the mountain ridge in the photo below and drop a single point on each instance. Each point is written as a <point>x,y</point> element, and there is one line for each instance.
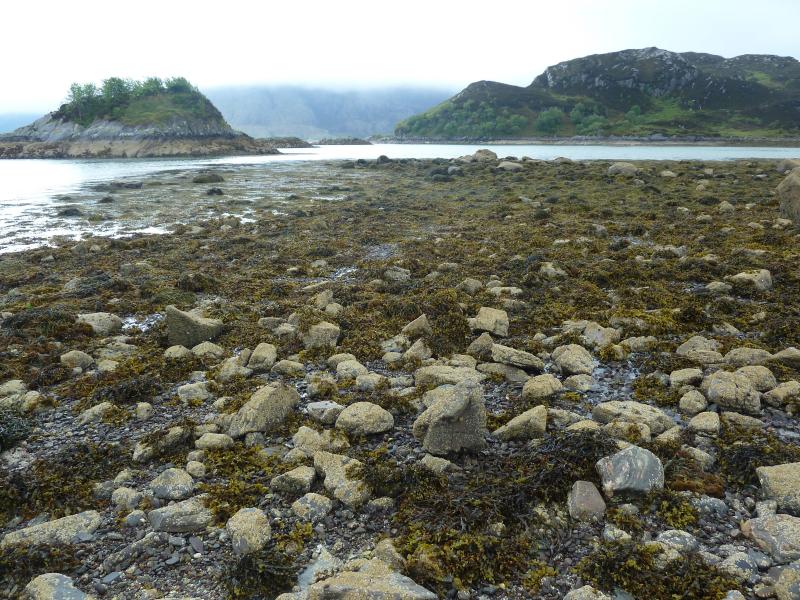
<point>630,92</point>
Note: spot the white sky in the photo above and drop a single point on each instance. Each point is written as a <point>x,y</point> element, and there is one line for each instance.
<point>353,43</point>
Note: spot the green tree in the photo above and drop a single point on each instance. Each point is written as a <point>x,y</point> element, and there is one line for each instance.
<point>549,121</point>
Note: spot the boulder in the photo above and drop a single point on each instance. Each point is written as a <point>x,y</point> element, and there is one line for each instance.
<point>172,484</point>
<point>308,440</point>
<point>530,424</point>
<point>262,358</point>
<point>451,425</point>
<point>76,358</point>
<point>585,503</point>
<point>742,357</point>
<point>491,320</point>
<point>249,530</point>
<point>53,586</point>
<point>631,411</point>
<point>436,375</point>
<point>625,169</point>
<point>189,329</point>
<point>760,279</point>
<point>573,359</point>
<point>516,358</point>
<point>295,482</point>
<point>321,335</point>
<point>782,484</point>
<point>732,391</point>
<point>313,507</point>
<point>541,387</point>
<point>208,351</point>
<point>213,441</point>
<point>365,418</point>
<point>789,196</point>
<point>697,343</point>
<point>267,408</point>
<point>788,585</point>
<point>586,592</point>
<point>633,469</point>
<point>760,376</point>
<point>337,472</point>
<point>374,580</point>
<point>779,535</point>
<point>507,165</point>
<point>102,323</point>
<point>419,327</point>
<point>350,369</point>
<point>182,517</point>
<point>63,531</point>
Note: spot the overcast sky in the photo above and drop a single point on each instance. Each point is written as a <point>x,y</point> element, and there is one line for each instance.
<point>346,43</point>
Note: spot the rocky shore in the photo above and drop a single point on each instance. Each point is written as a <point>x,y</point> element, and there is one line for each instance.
<point>480,378</point>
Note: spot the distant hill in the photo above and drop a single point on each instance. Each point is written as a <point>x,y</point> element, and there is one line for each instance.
<point>632,92</point>
<point>315,113</point>
<point>130,118</point>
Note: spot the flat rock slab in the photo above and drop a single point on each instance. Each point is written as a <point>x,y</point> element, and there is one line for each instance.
<point>61,531</point>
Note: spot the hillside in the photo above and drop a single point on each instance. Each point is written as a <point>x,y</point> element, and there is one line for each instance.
<point>130,118</point>
<point>632,93</point>
<point>315,113</point>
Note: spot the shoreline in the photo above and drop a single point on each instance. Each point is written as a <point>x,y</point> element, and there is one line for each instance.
<point>613,141</point>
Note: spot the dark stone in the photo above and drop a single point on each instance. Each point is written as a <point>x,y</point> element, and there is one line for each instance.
<point>214,191</point>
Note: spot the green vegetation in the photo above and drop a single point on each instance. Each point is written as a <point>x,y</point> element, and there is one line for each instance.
<point>151,101</point>
<point>629,93</point>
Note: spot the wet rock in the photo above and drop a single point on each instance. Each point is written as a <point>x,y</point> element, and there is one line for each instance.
<point>208,178</point>
<point>633,412</point>
<point>53,586</point>
<point>788,585</point>
<point>678,539</point>
<point>267,408</point>
<point>249,530</point>
<point>779,535</point>
<point>102,323</point>
<point>633,469</point>
<point>782,484</point>
<point>63,531</point>
<point>182,517</point>
<point>491,320</point>
<point>374,580</point>
<point>419,327</point>
<point>365,418</point>
<point>510,374</point>
<point>585,503</point>
<point>732,391</point>
<point>189,329</point>
<point>397,274</point>
<point>530,424</point>
<point>288,368</point>
<point>451,425</point>
<point>573,359</point>
<point>177,353</point>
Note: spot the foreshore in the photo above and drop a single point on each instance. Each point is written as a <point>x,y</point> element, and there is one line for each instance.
<point>416,378</point>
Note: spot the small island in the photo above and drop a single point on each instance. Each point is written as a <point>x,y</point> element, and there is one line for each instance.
<point>123,118</point>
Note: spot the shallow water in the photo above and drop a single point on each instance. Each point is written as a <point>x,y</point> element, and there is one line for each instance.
<point>33,191</point>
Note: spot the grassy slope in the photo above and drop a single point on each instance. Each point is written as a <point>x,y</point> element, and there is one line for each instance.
<point>163,108</point>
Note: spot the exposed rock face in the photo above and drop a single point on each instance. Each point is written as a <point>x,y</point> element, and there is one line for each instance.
<point>51,137</point>
<point>450,425</point>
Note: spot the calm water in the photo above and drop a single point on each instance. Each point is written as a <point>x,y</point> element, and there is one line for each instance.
<point>29,189</point>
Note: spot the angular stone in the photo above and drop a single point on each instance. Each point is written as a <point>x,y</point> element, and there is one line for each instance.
<point>321,335</point>
<point>528,425</point>
<point>633,412</point>
<point>308,440</point>
<point>782,484</point>
<point>451,425</point>
<point>76,358</point>
<point>732,391</point>
<point>262,358</point>
<point>760,279</point>
<point>61,531</point>
<point>436,375</point>
<point>585,503</point>
<point>692,402</point>
<point>189,329</point>
<point>760,376</point>
<point>697,343</point>
<point>350,369</point>
<point>208,351</point>
<point>777,534</point>
<point>102,323</point>
<point>295,482</point>
<point>210,441</point>
<point>53,586</point>
<point>742,357</point>
<point>573,359</point>
<point>633,469</point>
<point>365,418</point>
<point>586,592</point>
<point>172,484</point>
<point>375,580</point>
<point>313,507</point>
<point>683,377</point>
<point>516,358</point>
<point>337,471</point>
<point>507,372</point>
<point>249,530</point>
<point>782,393</point>
<point>705,422</point>
<point>267,408</point>
<point>419,327</point>
<point>182,517</point>
<point>541,387</point>
<point>491,320</point>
